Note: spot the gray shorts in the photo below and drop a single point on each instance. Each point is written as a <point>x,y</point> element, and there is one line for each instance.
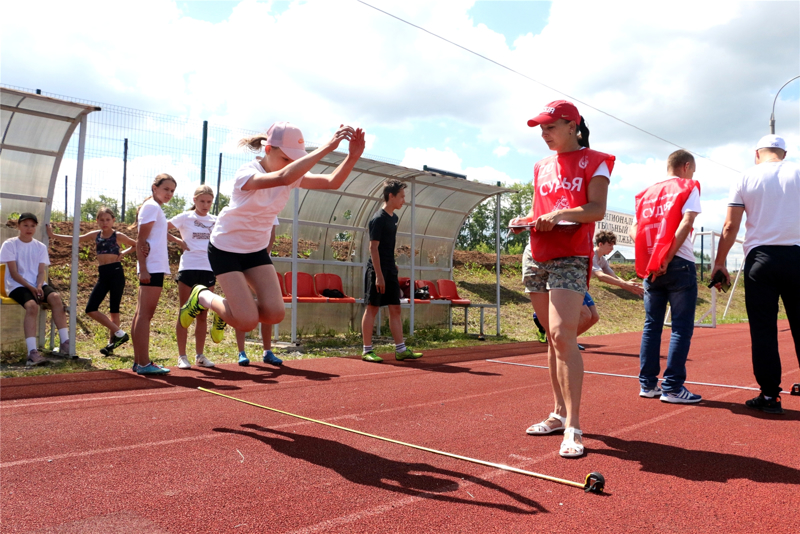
<point>559,273</point>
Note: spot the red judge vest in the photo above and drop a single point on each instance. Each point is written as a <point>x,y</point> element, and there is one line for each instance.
<point>658,215</point>
<point>561,181</point>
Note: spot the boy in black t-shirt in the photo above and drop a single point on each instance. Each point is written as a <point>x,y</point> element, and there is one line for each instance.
<point>382,287</point>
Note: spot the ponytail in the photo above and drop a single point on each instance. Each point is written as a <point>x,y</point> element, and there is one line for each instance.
<point>583,134</point>
<point>254,143</point>
<point>201,190</point>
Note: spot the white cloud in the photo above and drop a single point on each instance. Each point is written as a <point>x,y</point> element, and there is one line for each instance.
<point>447,160</point>
<point>501,151</point>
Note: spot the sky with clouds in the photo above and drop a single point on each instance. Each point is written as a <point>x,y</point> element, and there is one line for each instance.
<point>701,75</point>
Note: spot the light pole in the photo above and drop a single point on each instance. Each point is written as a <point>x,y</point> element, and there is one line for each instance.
<point>772,115</point>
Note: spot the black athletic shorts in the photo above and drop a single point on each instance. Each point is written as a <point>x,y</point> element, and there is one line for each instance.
<point>156,280</point>
<point>223,261</point>
<point>390,296</point>
<point>192,277</point>
<point>23,294</point>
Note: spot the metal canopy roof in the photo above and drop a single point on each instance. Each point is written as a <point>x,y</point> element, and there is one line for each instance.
<point>329,228</point>
<point>35,132</point>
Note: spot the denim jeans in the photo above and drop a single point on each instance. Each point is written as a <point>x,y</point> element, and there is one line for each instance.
<point>678,287</point>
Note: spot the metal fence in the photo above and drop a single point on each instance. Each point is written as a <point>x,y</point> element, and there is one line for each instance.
<point>126,148</point>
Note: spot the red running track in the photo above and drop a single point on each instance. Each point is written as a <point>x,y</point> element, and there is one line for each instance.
<point>112,452</point>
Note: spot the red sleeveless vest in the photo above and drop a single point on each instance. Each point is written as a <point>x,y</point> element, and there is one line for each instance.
<point>658,215</point>
<point>562,181</point>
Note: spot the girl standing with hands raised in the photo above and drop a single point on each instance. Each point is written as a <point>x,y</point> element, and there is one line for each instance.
<point>238,247</point>
<point>152,238</point>
<point>110,275</point>
<point>570,190</point>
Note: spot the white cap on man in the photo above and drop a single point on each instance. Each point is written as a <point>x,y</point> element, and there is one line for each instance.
<point>771,141</point>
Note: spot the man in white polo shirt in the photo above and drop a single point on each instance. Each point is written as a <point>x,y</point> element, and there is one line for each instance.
<point>770,195</point>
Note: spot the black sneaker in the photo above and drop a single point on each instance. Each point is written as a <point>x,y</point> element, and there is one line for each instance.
<point>766,406</point>
<point>108,350</point>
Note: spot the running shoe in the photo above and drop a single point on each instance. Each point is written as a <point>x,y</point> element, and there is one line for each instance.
<point>108,350</point>
<point>151,369</point>
<point>243,359</point>
<point>650,393</point>
<point>35,358</point>
<point>541,336</point>
<point>682,396</point>
<point>192,308</point>
<point>217,329</point>
<point>183,363</point>
<point>371,357</point>
<point>407,354</point>
<point>135,367</point>
<point>581,347</point>
<point>767,406</point>
<point>63,351</point>
<point>272,359</point>
<point>202,361</point>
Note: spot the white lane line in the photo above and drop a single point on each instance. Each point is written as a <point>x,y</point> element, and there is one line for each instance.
<point>636,377</point>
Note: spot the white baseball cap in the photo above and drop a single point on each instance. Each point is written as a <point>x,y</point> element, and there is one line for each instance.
<point>771,141</point>
<point>288,138</point>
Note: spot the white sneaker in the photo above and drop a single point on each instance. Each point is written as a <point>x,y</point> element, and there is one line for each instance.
<point>203,361</point>
<point>183,363</point>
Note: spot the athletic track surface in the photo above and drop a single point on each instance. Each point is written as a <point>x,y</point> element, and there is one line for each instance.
<point>112,452</point>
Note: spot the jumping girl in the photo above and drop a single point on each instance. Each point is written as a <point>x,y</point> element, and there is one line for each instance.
<point>195,228</point>
<point>110,275</point>
<point>569,187</point>
<point>238,248</point>
<point>153,239</point>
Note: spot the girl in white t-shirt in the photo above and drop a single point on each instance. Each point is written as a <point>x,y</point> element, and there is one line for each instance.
<point>195,228</point>
<point>238,246</point>
<point>153,239</point>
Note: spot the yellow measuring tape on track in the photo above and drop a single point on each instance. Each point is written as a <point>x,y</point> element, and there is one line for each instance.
<point>594,482</point>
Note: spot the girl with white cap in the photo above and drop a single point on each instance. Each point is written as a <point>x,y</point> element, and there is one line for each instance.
<point>570,190</point>
<point>238,246</point>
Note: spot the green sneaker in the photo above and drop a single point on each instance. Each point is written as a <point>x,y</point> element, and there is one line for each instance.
<point>406,354</point>
<point>192,308</point>
<point>217,329</point>
<point>541,335</point>
<point>371,357</point>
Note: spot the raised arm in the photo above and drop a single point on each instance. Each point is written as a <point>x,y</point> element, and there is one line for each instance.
<point>63,237</point>
<point>295,170</point>
<point>335,179</point>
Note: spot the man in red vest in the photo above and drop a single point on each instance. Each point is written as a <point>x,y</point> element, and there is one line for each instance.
<point>665,212</point>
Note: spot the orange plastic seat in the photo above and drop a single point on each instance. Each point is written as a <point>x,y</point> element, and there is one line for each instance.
<point>448,291</point>
<point>432,289</point>
<point>286,296</point>
<point>305,288</point>
<point>4,298</point>
<point>332,281</point>
<point>406,282</point>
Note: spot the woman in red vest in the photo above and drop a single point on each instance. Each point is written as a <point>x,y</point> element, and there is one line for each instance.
<point>570,190</point>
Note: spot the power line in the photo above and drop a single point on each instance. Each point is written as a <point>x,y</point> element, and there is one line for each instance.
<point>586,104</point>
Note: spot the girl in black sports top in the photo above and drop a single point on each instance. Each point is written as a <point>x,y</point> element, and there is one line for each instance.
<point>111,277</point>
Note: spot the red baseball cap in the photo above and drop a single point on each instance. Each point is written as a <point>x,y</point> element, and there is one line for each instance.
<point>558,109</point>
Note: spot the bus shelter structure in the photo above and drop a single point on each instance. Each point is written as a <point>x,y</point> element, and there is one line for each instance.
<point>329,233</point>
<point>35,133</point>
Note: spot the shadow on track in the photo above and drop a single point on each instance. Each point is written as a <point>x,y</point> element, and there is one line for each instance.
<point>692,464</point>
<point>366,469</point>
<point>225,379</point>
